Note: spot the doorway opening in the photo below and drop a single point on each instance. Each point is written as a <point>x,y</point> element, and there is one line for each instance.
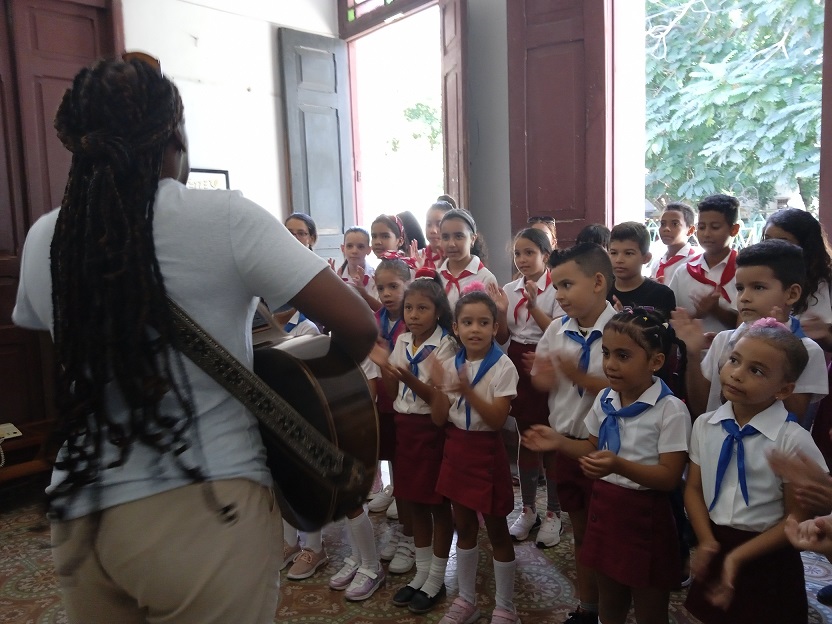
<point>396,76</point>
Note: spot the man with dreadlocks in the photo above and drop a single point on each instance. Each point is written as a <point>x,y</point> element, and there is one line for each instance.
<point>161,501</point>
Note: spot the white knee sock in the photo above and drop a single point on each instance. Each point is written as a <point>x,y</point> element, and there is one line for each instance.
<point>504,580</point>
<point>364,540</point>
<point>438,565</point>
<point>312,541</point>
<point>290,534</point>
<point>466,569</point>
<point>423,557</point>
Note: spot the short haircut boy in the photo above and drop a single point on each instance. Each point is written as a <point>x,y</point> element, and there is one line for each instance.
<point>686,211</point>
<point>783,258</point>
<point>632,231</point>
<point>589,257</point>
<point>726,205</point>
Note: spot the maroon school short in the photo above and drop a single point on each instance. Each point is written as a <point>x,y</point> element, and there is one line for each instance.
<point>419,445</point>
<point>475,471</point>
<point>631,537</point>
<point>769,589</point>
<point>574,488</point>
<point>530,406</point>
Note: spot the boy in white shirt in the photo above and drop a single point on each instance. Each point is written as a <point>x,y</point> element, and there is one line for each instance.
<point>676,225</point>
<point>704,286</point>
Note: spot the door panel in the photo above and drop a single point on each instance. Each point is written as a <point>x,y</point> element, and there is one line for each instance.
<point>319,133</point>
<point>453,15</point>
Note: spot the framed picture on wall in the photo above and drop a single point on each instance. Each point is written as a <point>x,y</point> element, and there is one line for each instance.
<point>208,179</point>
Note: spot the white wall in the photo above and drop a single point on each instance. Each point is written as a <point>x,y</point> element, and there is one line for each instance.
<point>222,54</point>
<point>487,109</point>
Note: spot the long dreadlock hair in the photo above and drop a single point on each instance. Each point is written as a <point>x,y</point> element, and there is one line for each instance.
<point>112,324</point>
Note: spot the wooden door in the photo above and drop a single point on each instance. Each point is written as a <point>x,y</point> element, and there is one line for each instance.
<point>318,132</point>
<point>453,19</point>
<point>43,44</point>
<point>558,130</point>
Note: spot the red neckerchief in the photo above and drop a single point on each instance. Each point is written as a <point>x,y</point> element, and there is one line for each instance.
<point>432,260</point>
<point>454,281</point>
<point>525,299</point>
<point>663,264</point>
<point>698,273</point>
<point>347,278</point>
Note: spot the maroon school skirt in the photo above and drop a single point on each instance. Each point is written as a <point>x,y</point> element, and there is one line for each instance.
<point>631,537</point>
<point>768,589</point>
<point>475,471</point>
<point>574,487</point>
<point>530,406</point>
<point>386,435</point>
<point>419,445</point>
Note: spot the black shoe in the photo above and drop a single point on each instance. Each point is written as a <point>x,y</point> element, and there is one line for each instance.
<point>582,617</point>
<point>422,603</point>
<point>403,597</point>
<point>825,595</point>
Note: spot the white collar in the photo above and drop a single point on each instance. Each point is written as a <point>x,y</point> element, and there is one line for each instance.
<point>433,340</point>
<point>473,266</point>
<point>649,396</point>
<point>572,325</point>
<point>769,422</point>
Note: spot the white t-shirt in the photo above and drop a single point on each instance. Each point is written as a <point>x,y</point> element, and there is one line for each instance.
<point>663,428</point>
<point>218,253</point>
<point>521,324</point>
<point>478,273</point>
<point>567,406</point>
<point>369,278</point>
<point>686,288</point>
<point>765,489</point>
<point>406,401</point>
<point>499,381</point>
<point>814,380</point>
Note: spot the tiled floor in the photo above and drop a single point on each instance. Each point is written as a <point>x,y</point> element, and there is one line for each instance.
<point>545,589</point>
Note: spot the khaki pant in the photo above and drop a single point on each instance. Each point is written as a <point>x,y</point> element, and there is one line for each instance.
<point>171,558</point>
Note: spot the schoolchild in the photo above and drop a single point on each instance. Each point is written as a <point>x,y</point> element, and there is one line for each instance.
<point>526,308</point>
<point>419,443</point>
<point>362,573</point>
<point>594,233</point>
<point>705,285</point>
<point>677,224</point>
<point>387,233</point>
<point>355,270</point>
<point>392,278</point>
<point>629,252</point>
<point>636,452</point>
<point>464,251</point>
<point>478,385</point>
<point>745,571</point>
<point>800,228</point>
<point>568,364</point>
<point>769,282</point>
<point>431,256</point>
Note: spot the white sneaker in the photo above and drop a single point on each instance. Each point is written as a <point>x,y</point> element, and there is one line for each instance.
<point>393,511</point>
<point>389,550</point>
<point>550,530</point>
<point>525,522</point>
<point>404,558</point>
<point>382,500</point>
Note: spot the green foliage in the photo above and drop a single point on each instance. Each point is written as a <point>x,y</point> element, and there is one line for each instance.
<point>733,97</point>
<point>428,120</point>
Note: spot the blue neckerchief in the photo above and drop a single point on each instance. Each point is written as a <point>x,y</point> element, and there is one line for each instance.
<point>735,434</point>
<point>418,359</point>
<point>490,359</point>
<point>608,436</point>
<point>388,335</point>
<point>790,417</point>
<point>794,325</point>
<point>586,344</point>
<point>290,325</point>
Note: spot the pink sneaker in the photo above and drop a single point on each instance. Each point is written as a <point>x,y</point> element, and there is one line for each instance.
<point>290,553</point>
<point>364,584</point>
<point>461,612</point>
<point>343,577</point>
<point>501,616</point>
<point>306,564</point>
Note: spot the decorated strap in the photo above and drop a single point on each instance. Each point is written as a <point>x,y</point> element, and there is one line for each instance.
<point>272,410</point>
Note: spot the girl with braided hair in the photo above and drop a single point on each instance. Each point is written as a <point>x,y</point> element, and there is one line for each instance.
<point>161,501</point>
